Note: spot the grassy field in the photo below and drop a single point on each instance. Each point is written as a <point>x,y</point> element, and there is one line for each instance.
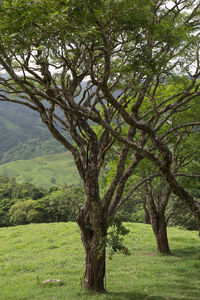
<point>44,171</point>
<point>33,253</point>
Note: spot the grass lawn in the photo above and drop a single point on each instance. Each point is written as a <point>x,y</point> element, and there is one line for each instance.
<point>33,253</point>
<point>44,171</point>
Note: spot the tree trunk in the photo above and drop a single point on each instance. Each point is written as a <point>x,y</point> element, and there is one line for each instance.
<point>160,232</point>
<point>93,234</point>
<point>147,218</point>
<point>157,216</point>
<point>94,265</point>
<point>162,240</point>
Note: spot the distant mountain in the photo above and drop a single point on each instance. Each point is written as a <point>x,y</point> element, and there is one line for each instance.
<point>23,135</point>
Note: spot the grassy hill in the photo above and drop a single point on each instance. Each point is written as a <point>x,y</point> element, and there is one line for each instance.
<point>44,171</point>
<point>33,253</point>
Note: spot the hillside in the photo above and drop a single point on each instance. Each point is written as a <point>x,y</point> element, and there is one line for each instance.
<point>32,148</point>
<point>44,171</point>
<point>33,253</point>
<point>23,135</point>
<point>18,124</point>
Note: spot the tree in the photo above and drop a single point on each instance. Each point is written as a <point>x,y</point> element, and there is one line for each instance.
<point>85,63</point>
<point>157,193</point>
<point>57,96</point>
<point>184,147</point>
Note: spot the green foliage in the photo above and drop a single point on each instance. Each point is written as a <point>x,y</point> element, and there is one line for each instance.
<point>23,135</point>
<point>19,125</point>
<point>115,238</point>
<point>24,203</point>
<point>61,205</point>
<point>31,149</point>
<point>181,216</point>
<point>24,212</point>
<point>10,193</point>
<point>132,210</point>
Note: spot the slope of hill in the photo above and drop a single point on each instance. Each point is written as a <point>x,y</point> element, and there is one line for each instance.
<point>33,253</point>
<point>44,171</point>
<point>32,148</point>
<point>23,135</point>
<point>18,124</point>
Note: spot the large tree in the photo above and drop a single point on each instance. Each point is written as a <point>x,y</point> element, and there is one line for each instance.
<point>80,64</point>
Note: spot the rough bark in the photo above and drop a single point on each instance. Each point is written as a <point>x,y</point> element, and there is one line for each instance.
<point>92,235</point>
<point>94,264</point>
<point>93,226</point>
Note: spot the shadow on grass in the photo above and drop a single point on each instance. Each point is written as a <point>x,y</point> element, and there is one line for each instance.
<point>186,252</point>
<point>133,296</point>
<point>115,296</point>
<point>125,296</point>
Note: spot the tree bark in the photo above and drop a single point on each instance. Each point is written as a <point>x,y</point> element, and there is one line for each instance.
<point>147,218</point>
<point>93,232</point>
<point>160,233</point>
<point>157,216</point>
<point>94,264</point>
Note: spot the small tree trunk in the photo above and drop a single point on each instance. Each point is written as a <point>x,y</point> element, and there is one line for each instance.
<point>162,240</point>
<point>157,215</point>
<point>147,217</point>
<point>160,232</point>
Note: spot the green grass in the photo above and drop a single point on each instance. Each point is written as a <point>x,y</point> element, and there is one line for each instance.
<point>33,253</point>
<point>44,171</point>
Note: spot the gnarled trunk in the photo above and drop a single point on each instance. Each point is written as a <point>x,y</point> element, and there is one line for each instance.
<point>93,232</point>
<point>94,264</point>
